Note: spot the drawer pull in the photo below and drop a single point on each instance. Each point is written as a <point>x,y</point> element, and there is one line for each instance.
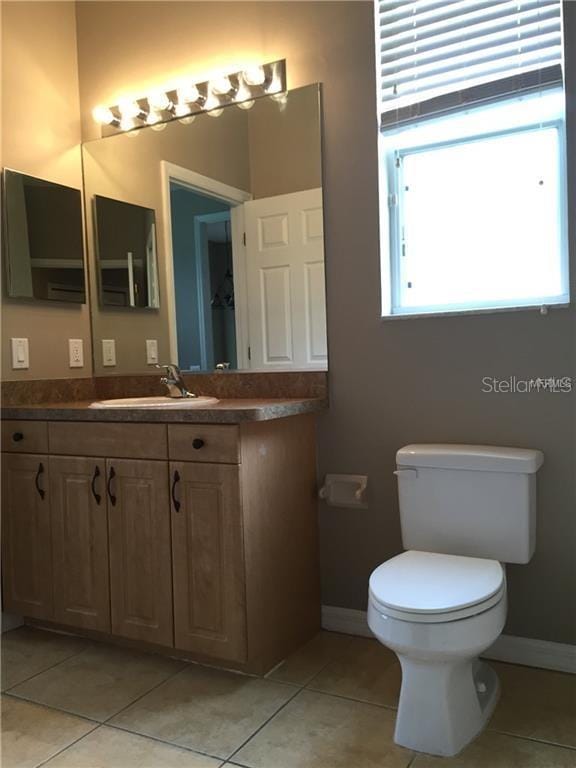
<point>17,436</point>
<point>95,476</point>
<point>41,491</point>
<point>111,496</point>
<point>175,481</point>
<point>197,443</point>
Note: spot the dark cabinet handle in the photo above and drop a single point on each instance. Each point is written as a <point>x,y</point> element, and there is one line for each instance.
<point>95,476</point>
<point>197,443</point>
<point>41,491</point>
<point>17,436</point>
<point>175,480</point>
<point>111,496</point>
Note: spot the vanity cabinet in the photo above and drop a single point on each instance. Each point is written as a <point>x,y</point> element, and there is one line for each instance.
<point>140,551</point>
<point>208,560</point>
<point>79,526</point>
<point>198,538</point>
<point>26,536</point>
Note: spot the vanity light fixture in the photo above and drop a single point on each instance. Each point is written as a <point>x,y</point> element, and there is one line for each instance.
<point>184,102</point>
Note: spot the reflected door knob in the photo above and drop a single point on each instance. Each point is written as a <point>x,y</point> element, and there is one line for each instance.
<point>197,443</point>
<point>17,436</point>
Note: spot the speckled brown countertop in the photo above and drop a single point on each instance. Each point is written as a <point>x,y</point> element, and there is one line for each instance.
<point>224,412</point>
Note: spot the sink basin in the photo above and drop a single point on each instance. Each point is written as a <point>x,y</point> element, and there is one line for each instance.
<point>156,402</point>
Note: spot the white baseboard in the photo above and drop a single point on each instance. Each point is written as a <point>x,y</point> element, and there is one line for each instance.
<point>516,650</point>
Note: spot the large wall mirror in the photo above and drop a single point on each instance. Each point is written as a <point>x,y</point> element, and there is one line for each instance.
<point>210,231</point>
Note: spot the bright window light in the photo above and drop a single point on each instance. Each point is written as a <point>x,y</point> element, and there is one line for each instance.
<point>480,223</point>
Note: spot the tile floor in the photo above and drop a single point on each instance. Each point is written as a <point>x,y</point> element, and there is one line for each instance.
<point>71,703</point>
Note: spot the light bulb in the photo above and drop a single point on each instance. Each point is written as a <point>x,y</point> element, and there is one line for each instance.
<point>128,108</point>
<point>104,115</point>
<point>211,105</point>
<point>159,101</point>
<point>254,75</point>
<point>221,86</point>
<point>152,118</point>
<point>187,120</point>
<point>127,123</point>
<point>187,94</point>
<point>246,104</point>
<point>156,127</point>
<point>180,110</point>
<point>281,98</point>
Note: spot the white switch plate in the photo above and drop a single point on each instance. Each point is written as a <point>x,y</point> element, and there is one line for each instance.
<point>151,351</point>
<point>20,353</point>
<point>76,353</point>
<point>108,352</point>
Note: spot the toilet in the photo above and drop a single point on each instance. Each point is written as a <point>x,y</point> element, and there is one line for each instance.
<point>465,511</point>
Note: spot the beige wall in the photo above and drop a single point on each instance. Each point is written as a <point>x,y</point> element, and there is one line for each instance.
<point>41,137</point>
<point>392,382</point>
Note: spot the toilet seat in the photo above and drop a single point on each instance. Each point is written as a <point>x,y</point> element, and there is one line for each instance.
<point>428,587</point>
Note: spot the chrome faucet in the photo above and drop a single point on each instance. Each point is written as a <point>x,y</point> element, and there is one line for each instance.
<point>174,381</point>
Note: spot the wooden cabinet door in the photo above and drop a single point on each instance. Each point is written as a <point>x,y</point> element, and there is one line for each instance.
<point>140,551</point>
<point>80,542</point>
<point>26,536</point>
<point>208,560</point>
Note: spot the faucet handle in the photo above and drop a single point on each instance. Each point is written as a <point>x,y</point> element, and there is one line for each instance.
<point>171,370</point>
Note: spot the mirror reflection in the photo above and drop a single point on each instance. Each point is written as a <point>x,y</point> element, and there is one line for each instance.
<point>44,251</point>
<point>236,202</point>
<point>125,253</point>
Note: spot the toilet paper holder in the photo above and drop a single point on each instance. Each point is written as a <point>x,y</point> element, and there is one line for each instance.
<point>345,491</point>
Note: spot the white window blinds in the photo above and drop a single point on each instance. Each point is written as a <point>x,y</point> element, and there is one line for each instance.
<point>436,55</point>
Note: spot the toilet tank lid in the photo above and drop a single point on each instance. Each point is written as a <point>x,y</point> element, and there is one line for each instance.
<point>486,458</point>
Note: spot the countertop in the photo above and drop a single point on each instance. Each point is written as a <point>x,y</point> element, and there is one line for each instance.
<point>224,412</point>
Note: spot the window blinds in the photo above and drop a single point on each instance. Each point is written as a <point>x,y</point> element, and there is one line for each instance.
<point>436,55</point>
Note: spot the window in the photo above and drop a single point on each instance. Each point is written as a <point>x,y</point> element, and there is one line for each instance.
<point>472,156</point>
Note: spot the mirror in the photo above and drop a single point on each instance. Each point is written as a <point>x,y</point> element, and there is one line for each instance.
<point>44,253</point>
<point>125,254</point>
<point>235,198</point>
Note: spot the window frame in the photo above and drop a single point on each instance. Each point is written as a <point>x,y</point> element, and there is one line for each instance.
<point>391,220</point>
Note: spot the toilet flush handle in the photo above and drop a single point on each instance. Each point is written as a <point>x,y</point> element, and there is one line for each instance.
<point>408,472</point>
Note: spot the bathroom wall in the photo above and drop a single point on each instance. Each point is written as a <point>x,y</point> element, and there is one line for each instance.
<point>41,137</point>
<point>391,382</point>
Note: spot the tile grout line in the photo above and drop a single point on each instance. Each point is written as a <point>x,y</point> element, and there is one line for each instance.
<point>53,666</point>
<point>157,739</point>
<point>17,697</point>
<point>533,739</point>
<point>265,723</point>
<point>60,751</point>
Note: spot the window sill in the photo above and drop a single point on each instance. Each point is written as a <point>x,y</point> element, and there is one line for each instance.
<point>485,311</point>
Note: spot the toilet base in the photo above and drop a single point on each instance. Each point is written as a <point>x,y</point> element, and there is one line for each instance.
<point>450,702</point>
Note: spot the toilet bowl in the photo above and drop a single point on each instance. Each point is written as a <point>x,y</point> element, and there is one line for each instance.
<point>464,511</point>
<point>447,695</point>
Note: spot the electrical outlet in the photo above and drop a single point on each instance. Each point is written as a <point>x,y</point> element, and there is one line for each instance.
<point>20,353</point>
<point>108,352</point>
<point>76,353</point>
<point>151,351</point>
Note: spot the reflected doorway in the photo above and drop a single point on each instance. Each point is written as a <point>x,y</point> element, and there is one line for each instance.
<point>203,280</point>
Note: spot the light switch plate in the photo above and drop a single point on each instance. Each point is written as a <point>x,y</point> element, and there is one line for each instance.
<point>108,352</point>
<point>20,354</point>
<point>151,351</point>
<point>76,353</point>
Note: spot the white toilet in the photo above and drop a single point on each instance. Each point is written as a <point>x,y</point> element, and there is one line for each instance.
<point>465,510</point>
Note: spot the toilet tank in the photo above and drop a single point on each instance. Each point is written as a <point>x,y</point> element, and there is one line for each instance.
<point>473,500</point>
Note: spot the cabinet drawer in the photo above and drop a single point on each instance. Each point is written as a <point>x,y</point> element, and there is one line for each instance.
<point>132,441</point>
<point>218,444</point>
<point>24,437</point>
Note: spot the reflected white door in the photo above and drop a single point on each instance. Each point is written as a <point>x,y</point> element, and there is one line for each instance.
<point>285,281</point>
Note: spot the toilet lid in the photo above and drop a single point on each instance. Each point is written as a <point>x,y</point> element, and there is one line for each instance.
<point>428,582</point>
